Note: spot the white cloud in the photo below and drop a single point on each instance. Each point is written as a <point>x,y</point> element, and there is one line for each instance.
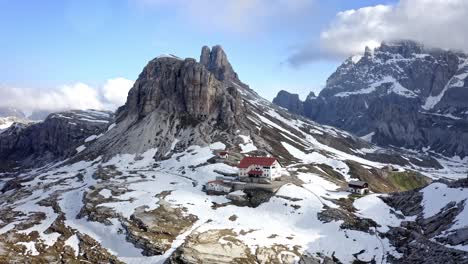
<point>115,91</point>
<point>73,96</point>
<point>435,23</point>
<point>234,15</point>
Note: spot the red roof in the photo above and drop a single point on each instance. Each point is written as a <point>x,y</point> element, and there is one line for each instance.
<point>261,161</point>
<point>255,172</point>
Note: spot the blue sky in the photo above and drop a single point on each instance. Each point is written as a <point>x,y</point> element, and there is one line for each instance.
<point>48,44</point>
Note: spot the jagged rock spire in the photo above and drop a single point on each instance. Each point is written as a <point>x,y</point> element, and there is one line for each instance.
<point>216,61</point>
<point>367,52</point>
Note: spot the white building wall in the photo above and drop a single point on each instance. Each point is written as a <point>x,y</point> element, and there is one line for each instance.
<point>271,173</point>
<point>217,187</point>
<point>275,171</point>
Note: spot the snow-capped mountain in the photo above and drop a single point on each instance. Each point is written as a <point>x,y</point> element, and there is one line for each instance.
<point>133,191</point>
<point>9,116</point>
<point>6,122</point>
<point>399,94</point>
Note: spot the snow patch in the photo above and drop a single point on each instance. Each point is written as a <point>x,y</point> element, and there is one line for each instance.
<point>455,81</point>
<point>395,88</point>
<point>437,195</point>
<point>248,144</point>
<point>106,193</point>
<point>371,206</point>
<point>74,243</point>
<point>90,138</point>
<point>30,248</point>
<point>368,137</point>
<point>80,148</point>
<point>111,127</point>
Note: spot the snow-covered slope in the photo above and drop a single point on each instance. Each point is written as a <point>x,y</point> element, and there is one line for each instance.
<point>6,122</point>
<point>135,191</point>
<point>93,203</point>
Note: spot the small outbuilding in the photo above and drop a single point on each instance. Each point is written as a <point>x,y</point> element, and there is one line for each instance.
<point>218,186</point>
<point>223,154</point>
<point>359,187</point>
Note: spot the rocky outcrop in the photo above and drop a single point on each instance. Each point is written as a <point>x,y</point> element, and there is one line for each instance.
<point>206,248</point>
<point>223,246</point>
<point>399,94</point>
<point>156,230</point>
<point>216,61</point>
<point>290,102</point>
<point>54,139</point>
<point>418,249</point>
<point>430,239</point>
<point>177,100</point>
<point>185,87</point>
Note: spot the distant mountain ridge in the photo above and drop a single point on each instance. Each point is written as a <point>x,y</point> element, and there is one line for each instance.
<point>11,112</point>
<point>399,94</point>
<point>33,144</point>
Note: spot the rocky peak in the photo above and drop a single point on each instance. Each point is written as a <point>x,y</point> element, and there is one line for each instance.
<point>216,61</point>
<point>367,52</point>
<point>289,101</point>
<point>405,48</point>
<point>172,85</point>
<point>311,96</point>
<point>179,99</point>
<point>403,94</point>
<point>205,56</point>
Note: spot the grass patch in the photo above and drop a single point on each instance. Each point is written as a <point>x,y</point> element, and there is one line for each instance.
<point>408,180</point>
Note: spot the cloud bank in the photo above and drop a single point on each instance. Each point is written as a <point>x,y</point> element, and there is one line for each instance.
<point>73,96</point>
<point>435,23</point>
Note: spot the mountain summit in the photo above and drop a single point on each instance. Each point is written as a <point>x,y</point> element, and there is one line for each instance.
<point>216,61</point>
<point>399,94</point>
<point>172,97</point>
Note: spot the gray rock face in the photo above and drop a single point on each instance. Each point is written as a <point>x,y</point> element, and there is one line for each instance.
<point>215,60</point>
<point>177,100</point>
<point>180,86</point>
<point>290,102</point>
<point>428,239</point>
<point>405,94</point>
<point>55,138</point>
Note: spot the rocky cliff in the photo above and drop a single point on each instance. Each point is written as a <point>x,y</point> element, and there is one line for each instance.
<point>55,138</point>
<point>195,102</point>
<point>399,94</point>
<point>290,102</point>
